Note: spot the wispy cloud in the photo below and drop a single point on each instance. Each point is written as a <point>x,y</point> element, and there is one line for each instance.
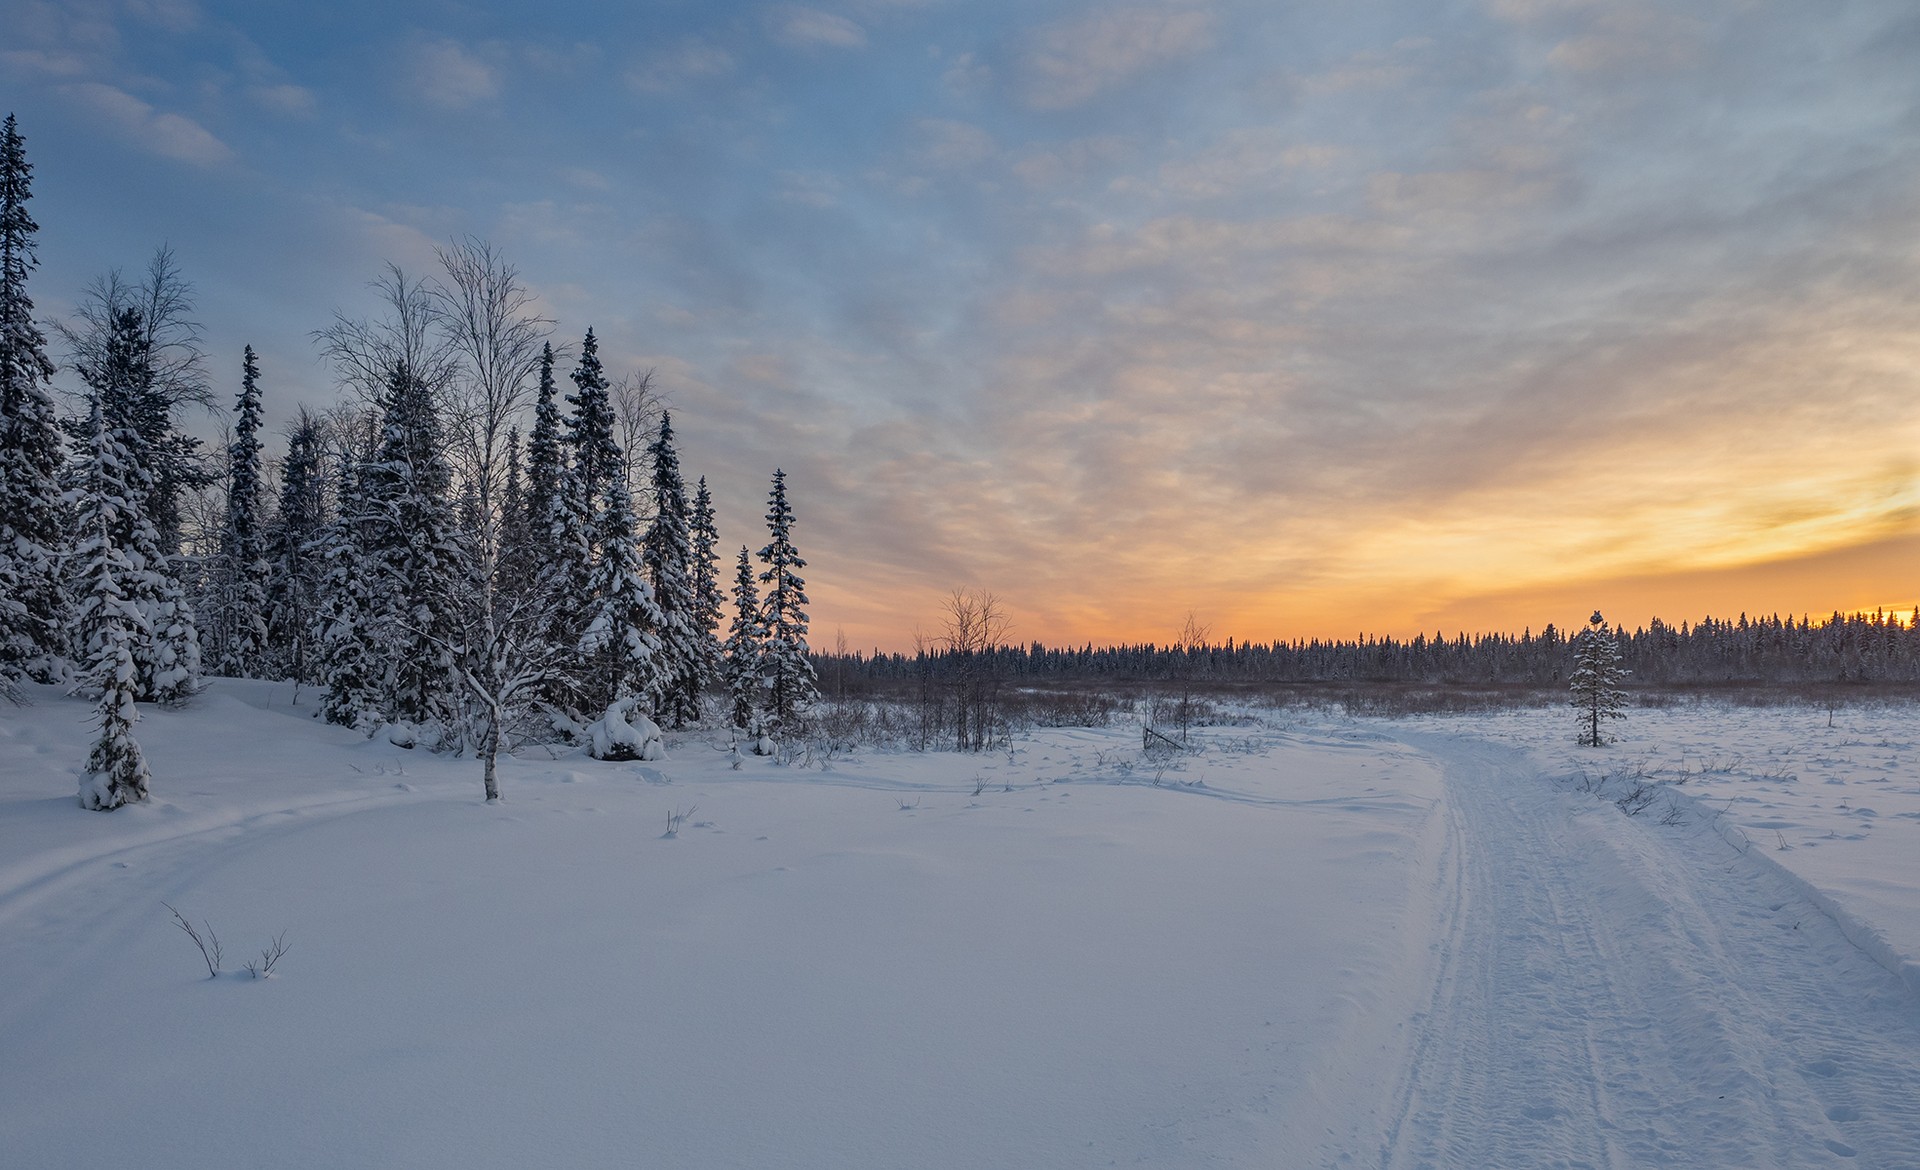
<point>285,99</point>
<point>176,16</point>
<point>675,68</point>
<point>446,74</point>
<point>1069,64</point>
<point>810,189</point>
<point>812,28</point>
<point>952,145</point>
<point>172,136</point>
<point>44,63</point>
<point>1245,160</point>
<point>1626,36</point>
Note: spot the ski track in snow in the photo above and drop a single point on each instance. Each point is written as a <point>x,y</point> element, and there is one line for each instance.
<point>1605,996</point>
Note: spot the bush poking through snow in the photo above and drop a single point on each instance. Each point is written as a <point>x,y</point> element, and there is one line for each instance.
<point>209,946</point>
<point>621,733</point>
<point>262,968</point>
<point>1639,795</point>
<point>675,819</point>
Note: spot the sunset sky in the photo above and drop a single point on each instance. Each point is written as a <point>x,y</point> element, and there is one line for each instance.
<point>1312,319</point>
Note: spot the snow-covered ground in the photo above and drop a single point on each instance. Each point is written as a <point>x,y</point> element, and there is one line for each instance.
<point>1317,942</point>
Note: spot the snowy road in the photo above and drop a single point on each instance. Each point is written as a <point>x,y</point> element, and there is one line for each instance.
<point>1609,996</point>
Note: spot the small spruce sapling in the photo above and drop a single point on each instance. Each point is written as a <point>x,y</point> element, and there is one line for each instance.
<point>1595,685</point>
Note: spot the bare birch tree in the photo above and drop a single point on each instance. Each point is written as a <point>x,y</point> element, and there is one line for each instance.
<point>974,624</point>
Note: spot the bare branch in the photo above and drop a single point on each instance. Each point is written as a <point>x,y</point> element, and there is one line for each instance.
<point>209,946</point>
<point>364,352</point>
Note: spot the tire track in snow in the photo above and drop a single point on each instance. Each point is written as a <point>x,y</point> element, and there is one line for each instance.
<point>1608,995</point>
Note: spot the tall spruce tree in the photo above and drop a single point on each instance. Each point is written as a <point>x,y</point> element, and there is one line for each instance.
<point>705,571</point>
<point>108,624</point>
<point>572,472</point>
<point>32,621</point>
<point>597,462</point>
<point>242,572</point>
<point>745,648</point>
<point>788,670</point>
<point>294,562</point>
<point>546,464</point>
<point>119,375</point>
<point>413,539</point>
<point>1595,681</point>
<point>667,552</point>
<point>346,619</point>
<point>516,561</point>
<point>621,642</point>
<point>173,377</point>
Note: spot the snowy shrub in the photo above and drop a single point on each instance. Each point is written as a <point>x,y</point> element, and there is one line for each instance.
<point>402,734</point>
<point>621,733</point>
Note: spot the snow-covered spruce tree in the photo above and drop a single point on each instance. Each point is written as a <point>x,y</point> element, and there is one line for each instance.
<point>346,628</point>
<point>788,671</point>
<point>621,644</point>
<point>107,623</point>
<point>240,575</point>
<point>32,618</point>
<point>412,540</point>
<point>705,571</point>
<point>516,563</point>
<point>666,552</point>
<point>745,648</point>
<point>119,376</point>
<point>293,558</point>
<point>597,462</point>
<point>171,377</point>
<point>1595,681</point>
<point>570,473</point>
<point>546,466</point>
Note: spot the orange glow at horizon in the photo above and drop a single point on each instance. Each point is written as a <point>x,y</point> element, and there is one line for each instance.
<point>1859,579</point>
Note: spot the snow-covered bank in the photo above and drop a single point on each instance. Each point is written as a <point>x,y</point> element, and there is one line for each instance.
<point>1043,958</point>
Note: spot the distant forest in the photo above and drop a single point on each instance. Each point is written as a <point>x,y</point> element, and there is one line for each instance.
<point>1872,648</point>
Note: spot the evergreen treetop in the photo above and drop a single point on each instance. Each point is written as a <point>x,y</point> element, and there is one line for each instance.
<point>597,462</point>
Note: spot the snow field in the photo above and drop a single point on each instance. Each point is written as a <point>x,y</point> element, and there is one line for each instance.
<point>870,965</point>
<point>1318,942</point>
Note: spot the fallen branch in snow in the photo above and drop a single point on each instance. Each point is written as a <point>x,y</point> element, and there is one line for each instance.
<point>1148,735</point>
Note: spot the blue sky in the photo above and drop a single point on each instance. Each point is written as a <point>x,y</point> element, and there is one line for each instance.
<point>1307,318</point>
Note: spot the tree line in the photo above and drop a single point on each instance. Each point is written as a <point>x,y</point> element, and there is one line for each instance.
<point>1841,648</point>
<point>437,579</point>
